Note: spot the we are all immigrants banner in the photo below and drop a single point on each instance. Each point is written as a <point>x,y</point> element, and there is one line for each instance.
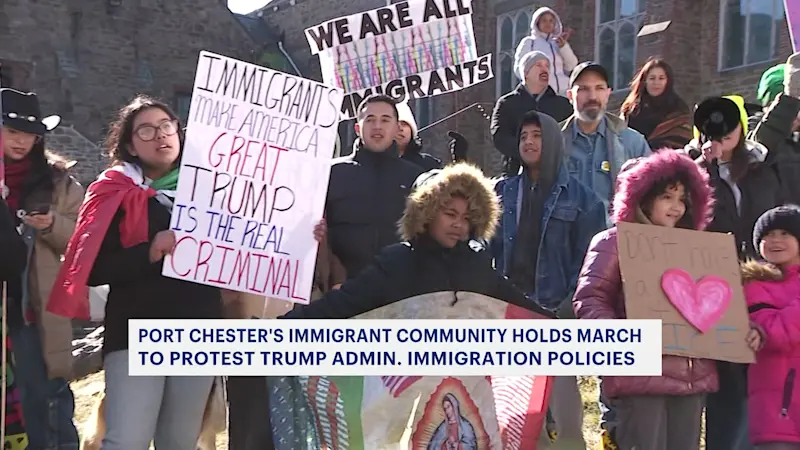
<point>408,50</point>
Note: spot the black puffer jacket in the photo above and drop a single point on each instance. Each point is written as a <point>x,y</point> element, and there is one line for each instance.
<point>12,261</point>
<point>420,264</point>
<point>773,129</point>
<point>366,196</point>
<point>412,268</point>
<point>415,155</point>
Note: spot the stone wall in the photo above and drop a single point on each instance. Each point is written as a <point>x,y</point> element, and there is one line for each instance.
<point>70,144</point>
<point>86,59</point>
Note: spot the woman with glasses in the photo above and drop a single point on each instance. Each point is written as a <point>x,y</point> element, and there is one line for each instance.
<point>43,200</point>
<point>122,236</point>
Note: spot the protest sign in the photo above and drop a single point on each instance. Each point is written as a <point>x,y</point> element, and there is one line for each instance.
<point>792,8</point>
<point>648,258</point>
<point>439,81</point>
<point>411,412</point>
<point>253,179</point>
<point>411,49</point>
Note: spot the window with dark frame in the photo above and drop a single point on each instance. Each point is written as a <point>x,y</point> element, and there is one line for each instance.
<point>618,24</point>
<point>750,32</point>
<point>511,28</point>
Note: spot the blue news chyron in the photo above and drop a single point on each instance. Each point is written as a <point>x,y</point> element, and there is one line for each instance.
<point>419,335</point>
<point>387,358</point>
<point>244,335</point>
<point>464,335</point>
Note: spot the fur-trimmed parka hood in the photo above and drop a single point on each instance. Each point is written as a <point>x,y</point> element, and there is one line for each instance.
<point>753,270</point>
<point>434,188</point>
<point>635,182</point>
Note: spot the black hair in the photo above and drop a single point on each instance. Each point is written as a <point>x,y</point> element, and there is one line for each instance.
<point>661,186</point>
<point>530,118</point>
<point>120,135</point>
<point>379,98</point>
<point>40,177</point>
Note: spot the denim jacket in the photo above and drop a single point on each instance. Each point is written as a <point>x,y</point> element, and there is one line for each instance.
<point>595,160</point>
<point>572,215</point>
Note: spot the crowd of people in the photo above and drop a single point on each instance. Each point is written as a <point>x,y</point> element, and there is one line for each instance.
<point>399,222</point>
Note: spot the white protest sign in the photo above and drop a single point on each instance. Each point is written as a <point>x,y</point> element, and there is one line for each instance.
<point>253,179</point>
<point>382,21</point>
<point>428,84</point>
<point>411,49</point>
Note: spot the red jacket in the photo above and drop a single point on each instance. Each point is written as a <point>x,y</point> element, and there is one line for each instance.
<point>774,303</point>
<point>112,190</point>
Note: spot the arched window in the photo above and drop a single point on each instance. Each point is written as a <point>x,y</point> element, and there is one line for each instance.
<point>511,28</point>
<point>618,23</point>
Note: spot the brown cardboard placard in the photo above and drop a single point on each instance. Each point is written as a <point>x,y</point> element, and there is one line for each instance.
<point>647,251</point>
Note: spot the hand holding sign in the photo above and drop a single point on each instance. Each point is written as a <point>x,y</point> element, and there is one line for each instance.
<point>320,230</point>
<point>162,245</point>
<point>706,318</point>
<point>703,303</point>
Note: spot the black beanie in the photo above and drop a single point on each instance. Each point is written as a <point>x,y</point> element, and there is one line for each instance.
<point>786,218</point>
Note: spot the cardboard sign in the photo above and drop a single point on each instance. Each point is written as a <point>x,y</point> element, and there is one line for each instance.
<point>253,179</point>
<point>792,8</point>
<point>646,252</point>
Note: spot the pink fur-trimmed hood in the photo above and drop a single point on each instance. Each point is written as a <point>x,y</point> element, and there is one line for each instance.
<point>634,182</point>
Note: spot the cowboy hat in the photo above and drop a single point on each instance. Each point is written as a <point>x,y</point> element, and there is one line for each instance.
<point>21,111</point>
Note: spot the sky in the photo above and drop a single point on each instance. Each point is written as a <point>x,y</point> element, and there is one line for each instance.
<point>246,6</point>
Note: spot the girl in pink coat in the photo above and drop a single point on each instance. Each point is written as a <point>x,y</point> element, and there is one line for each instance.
<point>658,412</point>
<point>772,290</point>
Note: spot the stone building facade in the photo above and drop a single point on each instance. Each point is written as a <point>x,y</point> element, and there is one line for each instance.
<point>96,55</point>
<point>87,59</point>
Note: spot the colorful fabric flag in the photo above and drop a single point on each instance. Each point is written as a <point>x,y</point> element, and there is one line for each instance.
<point>436,413</point>
<point>16,437</point>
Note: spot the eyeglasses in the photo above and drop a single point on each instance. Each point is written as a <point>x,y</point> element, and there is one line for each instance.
<point>149,132</point>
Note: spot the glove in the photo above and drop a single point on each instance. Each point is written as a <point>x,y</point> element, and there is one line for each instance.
<point>791,78</point>
<point>458,146</point>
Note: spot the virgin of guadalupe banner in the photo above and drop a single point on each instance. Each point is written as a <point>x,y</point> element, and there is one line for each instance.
<point>15,436</point>
<point>428,413</point>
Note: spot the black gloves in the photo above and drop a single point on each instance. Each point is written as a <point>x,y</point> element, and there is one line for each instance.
<point>458,146</point>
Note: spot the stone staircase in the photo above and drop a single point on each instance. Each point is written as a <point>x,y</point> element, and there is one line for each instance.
<point>69,143</point>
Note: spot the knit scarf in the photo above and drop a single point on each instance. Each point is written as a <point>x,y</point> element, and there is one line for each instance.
<point>168,182</point>
<point>16,174</point>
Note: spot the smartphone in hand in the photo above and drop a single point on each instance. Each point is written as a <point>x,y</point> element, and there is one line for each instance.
<point>39,210</point>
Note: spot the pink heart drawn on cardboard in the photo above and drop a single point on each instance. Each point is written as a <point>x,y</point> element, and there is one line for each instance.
<point>701,303</point>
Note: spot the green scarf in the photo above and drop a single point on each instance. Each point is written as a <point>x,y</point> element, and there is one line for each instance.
<point>168,182</point>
